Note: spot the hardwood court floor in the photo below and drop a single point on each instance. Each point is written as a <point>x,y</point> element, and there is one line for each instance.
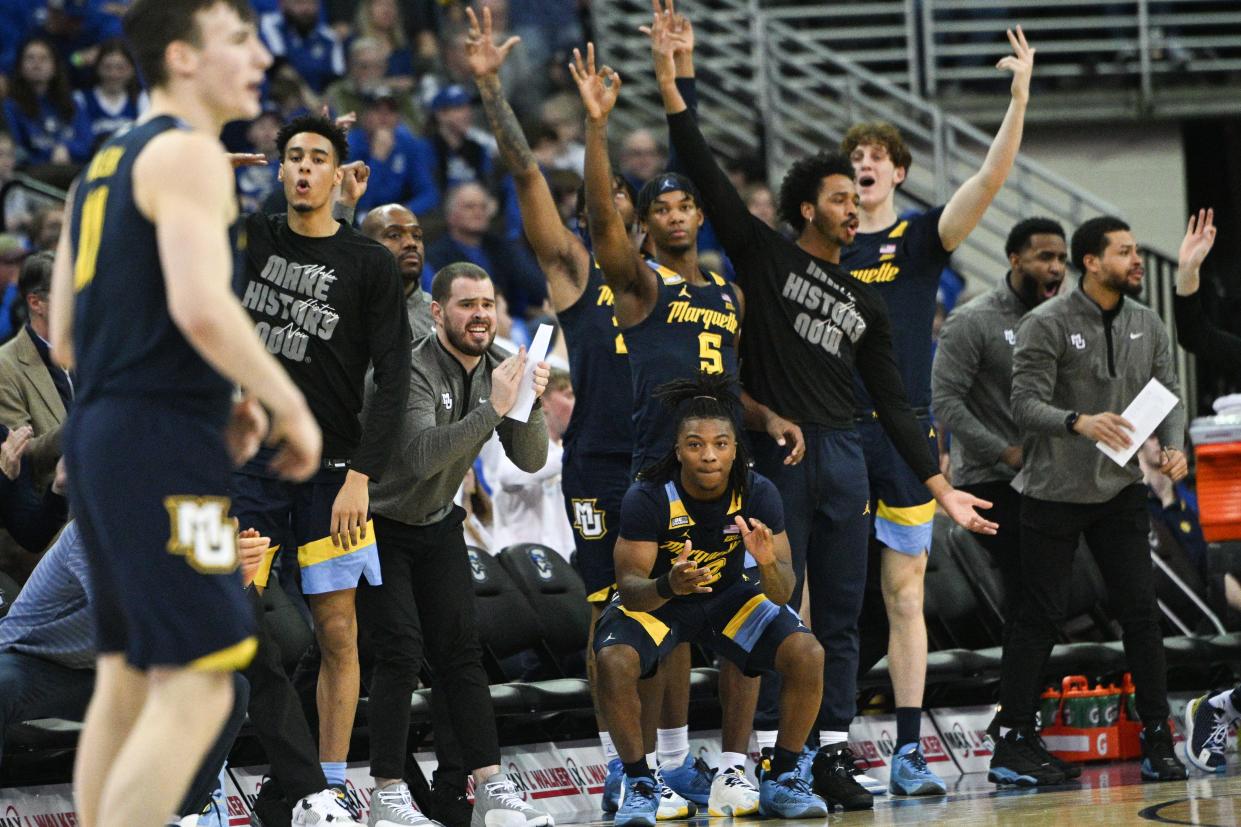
<point>1106,795</point>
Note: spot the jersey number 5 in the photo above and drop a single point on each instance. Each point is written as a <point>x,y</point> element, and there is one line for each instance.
<point>710,358</point>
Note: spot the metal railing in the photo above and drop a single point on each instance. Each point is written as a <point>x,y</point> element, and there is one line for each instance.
<point>1140,56</point>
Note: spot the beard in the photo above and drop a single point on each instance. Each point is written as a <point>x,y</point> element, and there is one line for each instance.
<point>1121,284</point>
<point>461,341</point>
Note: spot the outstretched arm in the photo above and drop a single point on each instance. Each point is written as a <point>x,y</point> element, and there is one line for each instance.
<point>966,207</point>
<point>561,254</point>
<point>1194,331</point>
<point>623,269</point>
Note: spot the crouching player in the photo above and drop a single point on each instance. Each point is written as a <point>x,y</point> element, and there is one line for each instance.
<point>685,527</point>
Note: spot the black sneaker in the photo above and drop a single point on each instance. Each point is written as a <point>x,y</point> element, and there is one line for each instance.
<point>1067,768</point>
<point>1018,761</point>
<point>834,779</point>
<point>762,767</point>
<point>1159,761</point>
<point>449,806</point>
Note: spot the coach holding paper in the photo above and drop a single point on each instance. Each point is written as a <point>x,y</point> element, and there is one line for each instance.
<point>1080,358</point>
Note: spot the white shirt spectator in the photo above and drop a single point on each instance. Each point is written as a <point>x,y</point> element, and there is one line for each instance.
<point>527,508</point>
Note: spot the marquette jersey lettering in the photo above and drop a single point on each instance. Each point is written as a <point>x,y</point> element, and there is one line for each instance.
<point>589,520</point>
<point>691,329</point>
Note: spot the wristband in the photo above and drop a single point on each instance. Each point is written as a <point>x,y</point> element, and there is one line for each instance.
<point>1071,420</point>
<point>663,587</point>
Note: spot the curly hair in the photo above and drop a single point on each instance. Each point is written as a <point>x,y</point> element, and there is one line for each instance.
<point>1019,235</point>
<point>317,125</point>
<point>803,181</point>
<point>878,133</point>
<point>705,396</point>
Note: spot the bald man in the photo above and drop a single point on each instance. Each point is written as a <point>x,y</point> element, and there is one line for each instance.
<point>396,228</point>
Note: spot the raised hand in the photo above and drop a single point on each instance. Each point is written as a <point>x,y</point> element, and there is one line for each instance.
<point>504,382</point>
<point>12,449</point>
<point>1020,63</point>
<point>671,35</point>
<point>599,89</point>
<point>759,540</point>
<point>354,181</point>
<point>685,576</point>
<point>1198,241</point>
<point>482,54</point>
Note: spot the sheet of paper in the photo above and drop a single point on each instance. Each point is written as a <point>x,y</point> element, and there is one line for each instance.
<point>1145,413</point>
<point>536,353</point>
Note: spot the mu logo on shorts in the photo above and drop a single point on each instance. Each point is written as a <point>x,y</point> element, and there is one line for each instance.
<point>202,533</point>
<point>589,520</point>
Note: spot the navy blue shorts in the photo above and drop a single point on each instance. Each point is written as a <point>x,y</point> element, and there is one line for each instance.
<point>298,515</point>
<point>594,486</point>
<point>739,623</point>
<point>903,507</point>
<point>148,482</point>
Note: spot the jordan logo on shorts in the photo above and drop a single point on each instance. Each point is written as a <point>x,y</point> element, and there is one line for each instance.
<point>589,521</point>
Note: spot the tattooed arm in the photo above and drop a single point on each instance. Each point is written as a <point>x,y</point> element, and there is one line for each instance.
<point>561,254</point>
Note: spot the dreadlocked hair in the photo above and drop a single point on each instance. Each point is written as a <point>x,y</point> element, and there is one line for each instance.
<point>705,396</point>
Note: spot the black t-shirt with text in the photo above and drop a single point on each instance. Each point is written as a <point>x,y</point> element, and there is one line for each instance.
<point>328,308</point>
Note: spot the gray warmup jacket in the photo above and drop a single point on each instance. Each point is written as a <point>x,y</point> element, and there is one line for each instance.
<point>1073,356</point>
<point>971,382</point>
<point>447,420</point>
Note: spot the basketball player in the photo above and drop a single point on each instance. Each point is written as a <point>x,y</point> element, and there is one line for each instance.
<point>811,325</point>
<point>902,259</point>
<point>329,303</point>
<point>396,228</point>
<point>142,297</point>
<point>686,526</point>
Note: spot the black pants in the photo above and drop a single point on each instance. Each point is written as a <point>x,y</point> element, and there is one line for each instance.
<point>1005,545</point>
<point>425,607</point>
<point>1117,534</point>
<point>278,718</point>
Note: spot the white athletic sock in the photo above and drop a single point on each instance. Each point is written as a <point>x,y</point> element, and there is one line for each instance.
<point>1223,701</point>
<point>609,749</point>
<point>731,759</point>
<point>765,738</point>
<point>671,746</point>
<point>831,737</point>
<point>651,761</point>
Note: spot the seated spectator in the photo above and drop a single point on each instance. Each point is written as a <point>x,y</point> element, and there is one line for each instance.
<point>45,227</point>
<point>47,653</point>
<point>761,203</point>
<point>117,99</point>
<point>529,507</point>
<point>382,20</point>
<point>468,211</point>
<point>399,162</point>
<point>295,35</point>
<point>12,253</point>
<point>41,115</point>
<point>17,20</point>
<point>1173,507</point>
<point>562,113</point>
<point>641,157</point>
<point>365,77</point>
<point>30,515</point>
<point>17,206</point>
<point>34,390</point>
<point>77,27</point>
<point>256,183</point>
<point>546,27</point>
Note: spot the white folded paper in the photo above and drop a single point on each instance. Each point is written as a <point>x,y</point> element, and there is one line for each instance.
<point>537,352</point>
<point>1144,413</point>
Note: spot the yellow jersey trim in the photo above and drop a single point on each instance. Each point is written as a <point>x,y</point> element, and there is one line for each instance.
<point>655,628</point>
<point>908,515</point>
<point>323,550</point>
<point>229,659</point>
<point>743,614</point>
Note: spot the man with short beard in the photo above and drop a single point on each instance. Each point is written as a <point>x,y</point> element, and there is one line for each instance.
<point>972,378</point>
<point>396,228</point>
<point>1079,358</point>
<point>460,393</point>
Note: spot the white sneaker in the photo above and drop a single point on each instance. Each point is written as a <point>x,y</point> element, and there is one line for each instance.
<point>672,806</point>
<point>324,807</point>
<point>498,803</point>
<point>393,806</point>
<point>732,794</point>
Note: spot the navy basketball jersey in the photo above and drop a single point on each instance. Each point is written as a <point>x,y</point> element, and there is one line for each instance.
<point>902,263</point>
<point>124,339</point>
<point>662,513</point>
<point>692,329</point>
<point>599,365</point>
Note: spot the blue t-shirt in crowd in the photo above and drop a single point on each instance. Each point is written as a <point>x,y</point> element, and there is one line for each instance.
<point>318,55</point>
<point>404,177</point>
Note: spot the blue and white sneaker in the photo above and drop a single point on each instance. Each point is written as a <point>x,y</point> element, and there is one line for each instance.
<point>639,802</point>
<point>692,780</point>
<point>911,776</point>
<point>672,807</point>
<point>1206,735</point>
<point>790,796</point>
<point>612,785</point>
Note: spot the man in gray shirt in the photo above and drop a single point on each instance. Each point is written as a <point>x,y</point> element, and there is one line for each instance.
<point>460,392</point>
<point>1080,358</point>
<point>971,382</point>
<point>396,228</point>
